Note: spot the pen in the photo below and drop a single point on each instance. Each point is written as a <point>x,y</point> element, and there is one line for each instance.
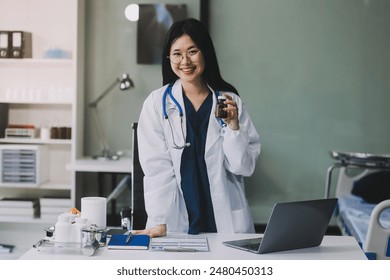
<point>129,236</point>
<point>179,249</point>
<point>173,249</point>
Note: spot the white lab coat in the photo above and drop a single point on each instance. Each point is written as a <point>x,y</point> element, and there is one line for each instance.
<point>229,156</point>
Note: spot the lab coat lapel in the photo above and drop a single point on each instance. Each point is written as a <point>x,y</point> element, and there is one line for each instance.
<point>177,93</point>
<point>214,128</point>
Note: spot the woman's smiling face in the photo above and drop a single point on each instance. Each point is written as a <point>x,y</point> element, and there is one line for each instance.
<point>187,61</point>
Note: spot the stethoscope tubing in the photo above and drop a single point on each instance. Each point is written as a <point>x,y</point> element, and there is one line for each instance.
<point>168,92</point>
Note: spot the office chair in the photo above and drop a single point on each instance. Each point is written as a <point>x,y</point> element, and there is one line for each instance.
<point>139,215</point>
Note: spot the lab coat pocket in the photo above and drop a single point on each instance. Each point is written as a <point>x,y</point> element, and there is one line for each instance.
<point>242,220</point>
<point>241,215</point>
<point>236,193</point>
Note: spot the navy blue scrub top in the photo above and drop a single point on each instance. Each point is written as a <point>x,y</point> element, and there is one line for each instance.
<point>194,179</point>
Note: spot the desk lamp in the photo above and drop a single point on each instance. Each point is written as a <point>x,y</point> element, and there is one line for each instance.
<point>125,83</point>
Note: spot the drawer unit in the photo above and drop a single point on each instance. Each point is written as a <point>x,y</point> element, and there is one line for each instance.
<point>24,165</point>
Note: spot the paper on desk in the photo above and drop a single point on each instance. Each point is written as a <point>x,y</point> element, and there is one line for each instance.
<point>180,244</point>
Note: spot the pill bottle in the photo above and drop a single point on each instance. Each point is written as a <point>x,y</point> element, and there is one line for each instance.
<point>219,111</point>
<point>78,225</point>
<point>63,229</point>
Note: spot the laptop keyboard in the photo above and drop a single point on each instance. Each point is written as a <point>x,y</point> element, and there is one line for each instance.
<point>252,246</point>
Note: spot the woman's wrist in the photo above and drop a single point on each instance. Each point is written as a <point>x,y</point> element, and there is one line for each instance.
<point>234,125</point>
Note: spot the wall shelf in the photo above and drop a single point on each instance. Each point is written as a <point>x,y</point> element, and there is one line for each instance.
<point>35,141</point>
<point>36,62</point>
<point>44,92</point>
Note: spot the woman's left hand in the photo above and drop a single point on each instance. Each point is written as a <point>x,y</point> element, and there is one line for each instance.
<point>157,231</point>
<point>232,113</point>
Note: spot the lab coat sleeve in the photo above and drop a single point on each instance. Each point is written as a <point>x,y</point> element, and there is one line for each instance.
<point>241,147</point>
<point>156,163</point>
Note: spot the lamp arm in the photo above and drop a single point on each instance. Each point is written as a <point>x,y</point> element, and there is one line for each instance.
<point>102,136</point>
<point>104,94</point>
<point>125,83</point>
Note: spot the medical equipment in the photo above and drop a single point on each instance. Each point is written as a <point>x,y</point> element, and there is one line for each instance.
<point>125,218</point>
<point>92,238</point>
<point>168,91</point>
<point>368,222</point>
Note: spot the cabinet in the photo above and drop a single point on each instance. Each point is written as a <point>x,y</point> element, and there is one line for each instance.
<point>45,92</point>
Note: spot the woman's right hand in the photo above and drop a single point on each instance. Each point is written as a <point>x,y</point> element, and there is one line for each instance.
<point>160,230</point>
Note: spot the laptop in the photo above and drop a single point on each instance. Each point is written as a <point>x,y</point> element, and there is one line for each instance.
<point>292,225</point>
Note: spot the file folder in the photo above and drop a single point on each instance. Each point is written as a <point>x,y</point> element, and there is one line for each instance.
<point>21,44</point>
<point>4,44</point>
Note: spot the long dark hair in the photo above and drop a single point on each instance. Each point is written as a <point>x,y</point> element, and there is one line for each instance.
<point>201,37</point>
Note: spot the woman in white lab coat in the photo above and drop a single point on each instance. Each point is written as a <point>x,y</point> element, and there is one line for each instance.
<point>194,162</point>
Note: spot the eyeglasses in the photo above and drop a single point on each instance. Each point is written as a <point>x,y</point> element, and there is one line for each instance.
<point>176,57</point>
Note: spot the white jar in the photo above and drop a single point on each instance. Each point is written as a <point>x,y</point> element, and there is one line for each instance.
<point>45,133</point>
<point>63,229</point>
<point>94,209</point>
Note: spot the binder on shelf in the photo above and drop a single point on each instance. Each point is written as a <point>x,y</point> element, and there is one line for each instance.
<point>4,44</point>
<point>3,118</point>
<point>21,44</point>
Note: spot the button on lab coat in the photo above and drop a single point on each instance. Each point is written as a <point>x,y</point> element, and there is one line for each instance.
<point>229,156</point>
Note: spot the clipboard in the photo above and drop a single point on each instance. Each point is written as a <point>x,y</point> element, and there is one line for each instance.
<point>180,244</point>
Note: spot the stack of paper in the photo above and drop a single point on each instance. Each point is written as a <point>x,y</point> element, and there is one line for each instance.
<point>15,208</point>
<point>51,207</point>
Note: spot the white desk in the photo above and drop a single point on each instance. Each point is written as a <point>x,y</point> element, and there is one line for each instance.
<point>332,248</point>
<point>88,164</point>
<point>122,165</point>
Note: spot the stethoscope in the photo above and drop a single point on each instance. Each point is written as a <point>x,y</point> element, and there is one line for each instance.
<point>168,92</point>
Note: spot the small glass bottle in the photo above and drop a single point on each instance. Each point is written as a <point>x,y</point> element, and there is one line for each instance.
<point>220,112</point>
<point>126,218</point>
